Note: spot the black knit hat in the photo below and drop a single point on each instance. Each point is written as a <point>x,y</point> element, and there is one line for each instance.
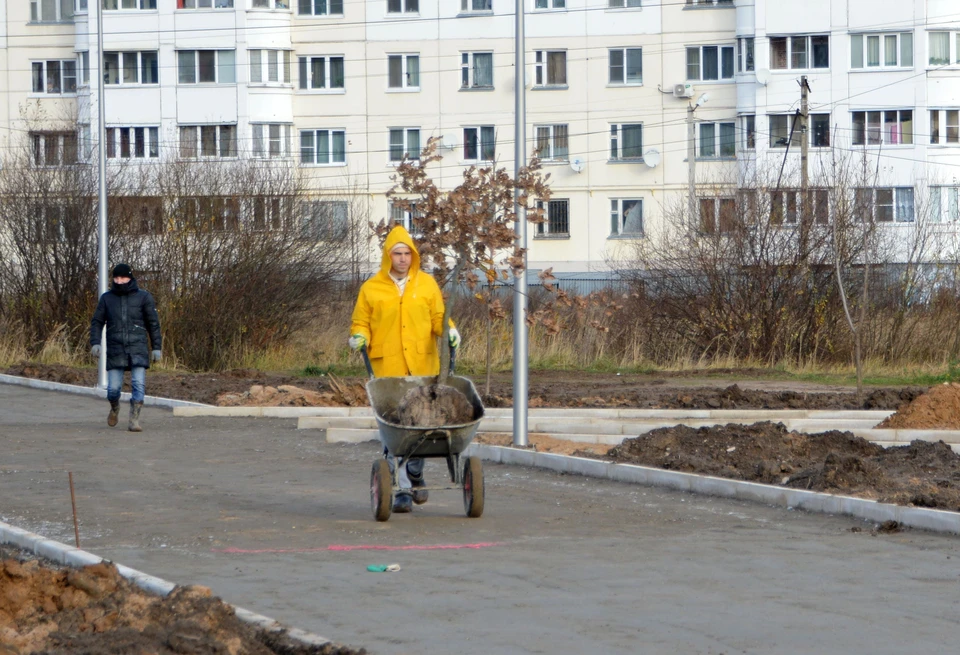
<point>122,270</point>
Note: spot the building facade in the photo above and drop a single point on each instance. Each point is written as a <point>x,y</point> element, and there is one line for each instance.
<point>344,89</point>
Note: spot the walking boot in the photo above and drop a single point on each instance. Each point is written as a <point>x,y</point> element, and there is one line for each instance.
<point>114,413</point>
<point>415,474</point>
<point>402,503</point>
<point>135,417</point>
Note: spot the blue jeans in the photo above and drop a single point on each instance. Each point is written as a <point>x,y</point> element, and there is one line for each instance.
<point>138,380</point>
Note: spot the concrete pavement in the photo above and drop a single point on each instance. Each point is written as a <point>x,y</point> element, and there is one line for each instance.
<point>278,521</point>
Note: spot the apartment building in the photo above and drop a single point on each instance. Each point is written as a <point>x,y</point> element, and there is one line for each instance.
<point>345,89</point>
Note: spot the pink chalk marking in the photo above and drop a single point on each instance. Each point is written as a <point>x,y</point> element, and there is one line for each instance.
<point>343,548</point>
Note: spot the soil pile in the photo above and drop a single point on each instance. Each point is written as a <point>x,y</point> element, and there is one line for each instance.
<point>434,405</point>
<point>923,474</point>
<point>937,409</point>
<point>95,611</point>
<point>287,395</point>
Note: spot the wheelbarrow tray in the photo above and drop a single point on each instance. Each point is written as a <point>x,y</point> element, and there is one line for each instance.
<point>406,441</point>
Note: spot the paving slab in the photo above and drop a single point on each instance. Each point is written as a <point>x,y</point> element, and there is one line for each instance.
<point>276,520</point>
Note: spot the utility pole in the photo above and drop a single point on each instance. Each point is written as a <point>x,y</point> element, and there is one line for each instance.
<point>104,282</point>
<point>804,137</point>
<point>520,334</point>
<point>691,165</point>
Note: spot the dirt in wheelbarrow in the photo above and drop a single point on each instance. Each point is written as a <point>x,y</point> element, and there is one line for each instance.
<point>53,610</point>
<point>921,474</point>
<point>713,389</point>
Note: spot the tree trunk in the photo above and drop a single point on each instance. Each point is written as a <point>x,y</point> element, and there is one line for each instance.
<point>489,348</point>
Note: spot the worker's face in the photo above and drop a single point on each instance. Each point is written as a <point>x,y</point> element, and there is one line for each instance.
<point>400,259</point>
<point>121,280</point>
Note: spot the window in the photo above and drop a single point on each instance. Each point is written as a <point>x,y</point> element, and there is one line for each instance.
<point>800,52</point>
<point>819,130</point>
<point>745,58</point>
<point>945,126</point>
<point>626,217</point>
<point>51,10</point>
<point>201,4</point>
<point>476,70</point>
<point>269,4</point>
<point>130,67</point>
<point>944,204</point>
<point>550,68</point>
<point>208,141</point>
<point>556,220</point>
<point>325,220</point>
<point>470,6</point>
<point>400,215</point>
<point>553,142</point>
<point>133,142</point>
<point>270,66</point>
<point>881,50</point>
<point>710,3</point>
<point>625,3</point>
<point>710,62</point>
<point>550,4</point>
<point>716,212</point>
<point>784,129</point>
<point>939,48</point>
<point>626,142</point>
<point>272,212</point>
<point>54,148</point>
<point>787,206</point>
<point>479,143</point>
<point>325,147</point>
<point>271,140</point>
<point>143,213</point>
<point>83,66</point>
<point>320,7</point>
<point>717,140</point>
<point>404,142</point>
<point>885,205</point>
<point>892,127</point>
<point>321,73</point>
<point>206,67</point>
<point>55,77</point>
<point>403,6</point>
<point>748,124</point>
<point>129,4</point>
<point>81,6</point>
<point>626,66</point>
<point>403,71</point>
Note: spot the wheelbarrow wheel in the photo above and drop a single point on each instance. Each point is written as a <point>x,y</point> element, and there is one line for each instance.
<point>381,490</point>
<point>473,487</point>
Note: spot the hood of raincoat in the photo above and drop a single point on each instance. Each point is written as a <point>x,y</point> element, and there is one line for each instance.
<point>397,235</point>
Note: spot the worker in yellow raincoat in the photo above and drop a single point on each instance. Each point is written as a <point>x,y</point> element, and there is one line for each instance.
<point>398,317</point>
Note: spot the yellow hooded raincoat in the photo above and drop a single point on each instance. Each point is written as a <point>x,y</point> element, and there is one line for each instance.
<point>401,331</point>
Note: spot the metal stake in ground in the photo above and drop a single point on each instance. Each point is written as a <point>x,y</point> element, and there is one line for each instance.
<point>73,502</point>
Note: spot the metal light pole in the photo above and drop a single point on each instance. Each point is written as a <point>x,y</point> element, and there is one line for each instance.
<point>104,281</point>
<point>520,352</point>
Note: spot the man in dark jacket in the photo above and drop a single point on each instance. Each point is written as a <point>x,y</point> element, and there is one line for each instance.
<point>130,315</point>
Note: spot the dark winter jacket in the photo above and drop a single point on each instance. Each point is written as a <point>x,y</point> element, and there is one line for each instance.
<point>130,314</point>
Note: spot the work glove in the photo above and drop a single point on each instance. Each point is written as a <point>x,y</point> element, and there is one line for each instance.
<point>454,338</point>
<point>156,354</point>
<point>357,341</point>
<point>95,351</point>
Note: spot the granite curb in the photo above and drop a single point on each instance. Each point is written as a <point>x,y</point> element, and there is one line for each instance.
<point>74,557</point>
<point>46,385</point>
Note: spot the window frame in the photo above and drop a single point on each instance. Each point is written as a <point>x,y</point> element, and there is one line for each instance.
<point>623,66</point>
<point>547,229</point>
<point>717,218</point>
<point>791,122</point>
<point>338,213</point>
<point>305,67</point>
<point>404,58</point>
<point>624,4</point>
<point>618,219</point>
<point>541,69</point>
<point>790,53</point>
<point>232,143</point>
<point>746,54</point>
<point>725,53</point>
<point>468,70</point>
<point>945,205</point>
<point>140,66</point>
<point>406,7</point>
<point>615,152</point>
<point>553,151</point>
<point>792,206</point>
<point>469,7</point>
<point>717,139</point>
<point>748,129</point>
<point>896,205</point>
<point>217,66</point>
<point>549,5</point>
<point>331,137</point>
<point>949,119</point>
<point>119,5</point>
<point>862,136</point>
<point>213,5</point>
<point>44,79</point>
<point>328,5</point>
<point>407,153</point>
<point>115,135</point>
<point>283,65</point>
<point>271,5</point>
<point>261,143</point>
<point>36,11</point>
<point>40,144</point>
<point>481,145</point>
<point>863,39</point>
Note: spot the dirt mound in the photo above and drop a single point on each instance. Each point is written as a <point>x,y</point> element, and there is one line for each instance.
<point>937,409</point>
<point>434,405</point>
<point>923,473</point>
<point>287,395</point>
<point>95,611</point>
<point>50,372</point>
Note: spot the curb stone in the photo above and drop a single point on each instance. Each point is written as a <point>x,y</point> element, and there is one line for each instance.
<point>74,557</point>
<point>46,385</point>
<point>934,520</point>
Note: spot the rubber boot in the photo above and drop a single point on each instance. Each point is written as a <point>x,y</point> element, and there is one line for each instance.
<point>415,473</point>
<point>135,417</point>
<point>114,413</point>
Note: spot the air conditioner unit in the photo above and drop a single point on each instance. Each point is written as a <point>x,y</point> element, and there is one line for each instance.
<point>683,91</point>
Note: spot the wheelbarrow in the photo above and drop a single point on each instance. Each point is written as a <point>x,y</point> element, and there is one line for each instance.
<point>401,442</point>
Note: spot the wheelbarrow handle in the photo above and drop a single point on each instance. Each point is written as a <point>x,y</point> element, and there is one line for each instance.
<point>366,360</point>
